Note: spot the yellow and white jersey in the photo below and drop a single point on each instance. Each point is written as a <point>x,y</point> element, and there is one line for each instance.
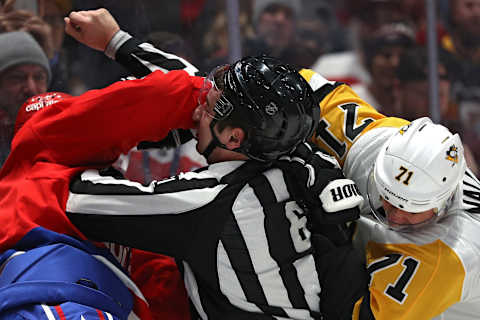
<point>433,272</point>
<point>344,116</point>
<point>344,121</point>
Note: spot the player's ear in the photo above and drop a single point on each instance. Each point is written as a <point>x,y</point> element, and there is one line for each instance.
<point>236,137</point>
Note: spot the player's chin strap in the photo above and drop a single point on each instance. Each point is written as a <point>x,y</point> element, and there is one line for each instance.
<point>214,143</point>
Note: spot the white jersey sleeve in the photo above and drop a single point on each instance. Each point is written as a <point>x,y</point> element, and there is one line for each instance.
<point>430,273</point>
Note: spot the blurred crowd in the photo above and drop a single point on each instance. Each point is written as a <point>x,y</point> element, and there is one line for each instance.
<point>376,46</point>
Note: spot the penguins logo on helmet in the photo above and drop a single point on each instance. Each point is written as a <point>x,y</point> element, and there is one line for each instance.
<point>452,155</point>
<point>404,129</point>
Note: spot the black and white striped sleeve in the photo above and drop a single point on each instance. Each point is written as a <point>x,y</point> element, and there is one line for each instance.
<point>141,58</point>
<point>471,194</point>
<point>161,217</point>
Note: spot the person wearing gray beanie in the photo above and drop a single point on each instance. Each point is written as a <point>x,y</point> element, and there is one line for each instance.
<point>19,47</point>
<point>20,57</point>
<point>24,72</point>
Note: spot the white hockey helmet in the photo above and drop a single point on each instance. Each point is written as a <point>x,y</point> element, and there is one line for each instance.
<point>417,169</point>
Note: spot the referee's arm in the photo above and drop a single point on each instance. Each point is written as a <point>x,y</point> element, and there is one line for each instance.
<point>162,217</point>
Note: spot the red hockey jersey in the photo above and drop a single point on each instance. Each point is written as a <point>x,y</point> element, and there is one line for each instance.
<point>89,131</point>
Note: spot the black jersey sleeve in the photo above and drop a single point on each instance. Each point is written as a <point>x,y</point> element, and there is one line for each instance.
<point>141,58</point>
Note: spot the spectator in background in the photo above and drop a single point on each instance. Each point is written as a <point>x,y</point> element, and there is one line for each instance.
<point>381,56</point>
<point>412,74</point>
<point>52,12</point>
<point>330,32</point>
<point>276,32</point>
<point>24,72</point>
<point>363,18</point>
<point>275,24</point>
<point>215,39</point>
<point>24,20</point>
<point>462,43</point>
<point>417,12</point>
<point>463,46</point>
<point>85,63</point>
<point>318,31</point>
<point>413,94</point>
<point>463,40</point>
<point>47,29</point>
<point>276,28</point>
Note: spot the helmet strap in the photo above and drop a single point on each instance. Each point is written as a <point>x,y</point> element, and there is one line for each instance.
<point>214,143</point>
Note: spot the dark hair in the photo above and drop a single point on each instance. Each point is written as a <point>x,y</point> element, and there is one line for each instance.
<point>236,119</point>
<point>413,65</point>
<point>395,34</point>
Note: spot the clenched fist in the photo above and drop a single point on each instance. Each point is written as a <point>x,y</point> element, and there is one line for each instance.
<point>93,28</point>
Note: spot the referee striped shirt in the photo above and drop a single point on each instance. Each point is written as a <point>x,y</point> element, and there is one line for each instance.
<point>240,239</point>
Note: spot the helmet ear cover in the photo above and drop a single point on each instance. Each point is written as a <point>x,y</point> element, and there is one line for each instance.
<point>271,102</point>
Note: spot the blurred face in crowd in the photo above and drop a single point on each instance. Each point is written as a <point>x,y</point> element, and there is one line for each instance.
<point>54,17</point>
<point>414,96</point>
<point>373,14</point>
<point>386,12</point>
<point>276,25</point>
<point>466,15</point>
<point>19,83</point>
<point>384,65</point>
